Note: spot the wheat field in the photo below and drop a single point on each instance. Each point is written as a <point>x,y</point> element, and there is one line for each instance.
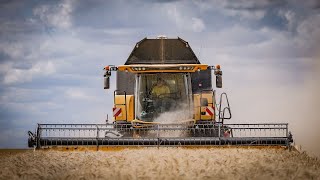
<point>162,163</point>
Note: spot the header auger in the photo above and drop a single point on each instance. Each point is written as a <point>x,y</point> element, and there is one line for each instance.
<point>164,97</point>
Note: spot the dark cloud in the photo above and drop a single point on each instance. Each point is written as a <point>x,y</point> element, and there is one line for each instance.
<point>312,4</point>
<point>4,57</point>
<point>22,65</point>
<point>254,5</point>
<point>159,1</point>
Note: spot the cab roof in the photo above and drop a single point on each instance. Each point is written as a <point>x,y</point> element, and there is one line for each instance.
<point>162,51</point>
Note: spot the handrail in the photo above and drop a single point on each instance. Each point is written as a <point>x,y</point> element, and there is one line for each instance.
<point>222,118</point>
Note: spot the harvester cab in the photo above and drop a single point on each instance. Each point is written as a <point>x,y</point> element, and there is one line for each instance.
<point>160,76</point>
<point>164,97</point>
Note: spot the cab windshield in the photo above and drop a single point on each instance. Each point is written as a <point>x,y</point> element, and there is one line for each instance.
<point>160,93</point>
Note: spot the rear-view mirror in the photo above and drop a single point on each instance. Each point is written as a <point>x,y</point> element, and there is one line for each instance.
<point>106,82</point>
<point>218,81</point>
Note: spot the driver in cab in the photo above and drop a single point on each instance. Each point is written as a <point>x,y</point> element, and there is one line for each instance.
<point>161,93</point>
<point>160,90</point>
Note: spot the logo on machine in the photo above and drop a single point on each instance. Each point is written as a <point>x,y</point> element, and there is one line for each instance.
<point>209,111</point>
<point>116,112</point>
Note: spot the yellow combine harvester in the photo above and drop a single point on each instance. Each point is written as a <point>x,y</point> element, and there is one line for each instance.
<point>164,97</point>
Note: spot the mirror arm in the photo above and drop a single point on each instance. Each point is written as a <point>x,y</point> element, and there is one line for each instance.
<point>107,75</point>
<point>218,73</point>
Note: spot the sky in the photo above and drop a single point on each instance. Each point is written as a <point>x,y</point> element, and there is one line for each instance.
<point>52,54</point>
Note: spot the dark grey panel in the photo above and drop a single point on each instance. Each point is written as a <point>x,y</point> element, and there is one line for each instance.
<point>125,82</point>
<point>162,51</point>
<point>201,80</point>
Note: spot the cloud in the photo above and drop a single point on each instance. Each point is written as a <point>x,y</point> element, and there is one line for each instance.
<point>13,50</point>
<point>78,94</point>
<point>242,9</point>
<point>25,75</point>
<point>183,20</point>
<point>308,36</point>
<point>245,14</point>
<point>251,4</point>
<point>57,16</point>
<point>22,95</point>
<point>197,24</point>
<point>291,18</point>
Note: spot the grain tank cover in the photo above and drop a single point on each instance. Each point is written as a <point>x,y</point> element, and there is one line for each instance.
<point>162,51</point>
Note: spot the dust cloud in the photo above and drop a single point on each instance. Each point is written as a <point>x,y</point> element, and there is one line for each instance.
<point>277,94</point>
<point>180,114</point>
<point>163,163</point>
<point>307,122</point>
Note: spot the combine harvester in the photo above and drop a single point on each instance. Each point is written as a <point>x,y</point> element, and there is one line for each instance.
<point>162,76</point>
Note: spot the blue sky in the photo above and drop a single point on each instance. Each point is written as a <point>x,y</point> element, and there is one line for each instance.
<point>52,54</point>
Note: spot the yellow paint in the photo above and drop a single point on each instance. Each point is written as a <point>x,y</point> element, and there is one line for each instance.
<point>142,124</point>
<point>163,67</point>
<point>196,102</point>
<point>127,107</point>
